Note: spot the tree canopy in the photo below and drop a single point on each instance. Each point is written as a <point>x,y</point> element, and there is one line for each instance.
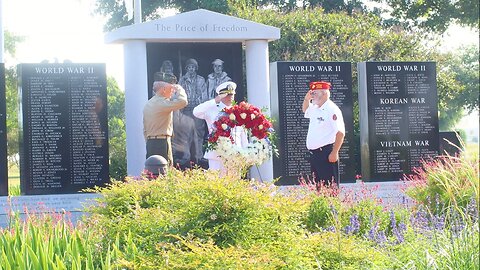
<point>321,30</point>
<point>11,94</point>
<point>434,15</point>
<point>116,13</point>
<point>312,35</point>
<point>116,130</point>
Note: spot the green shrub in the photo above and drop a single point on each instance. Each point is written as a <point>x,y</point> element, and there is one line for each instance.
<point>195,202</point>
<point>346,252</point>
<point>198,220</point>
<point>368,213</point>
<point>319,216</point>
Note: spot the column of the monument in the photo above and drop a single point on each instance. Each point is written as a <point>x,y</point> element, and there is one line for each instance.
<point>135,97</point>
<point>258,91</point>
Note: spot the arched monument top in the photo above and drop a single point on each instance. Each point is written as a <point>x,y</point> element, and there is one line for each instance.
<point>195,26</point>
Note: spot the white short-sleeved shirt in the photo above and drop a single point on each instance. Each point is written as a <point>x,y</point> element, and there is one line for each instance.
<point>325,122</point>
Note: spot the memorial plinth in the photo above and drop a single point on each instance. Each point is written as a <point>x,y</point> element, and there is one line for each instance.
<point>72,206</point>
<point>398,117</point>
<point>63,122</point>
<point>289,84</point>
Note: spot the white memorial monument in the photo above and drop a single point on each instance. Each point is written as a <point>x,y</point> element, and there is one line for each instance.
<point>190,27</point>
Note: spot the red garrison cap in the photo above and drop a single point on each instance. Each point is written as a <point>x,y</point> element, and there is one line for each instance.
<point>321,85</point>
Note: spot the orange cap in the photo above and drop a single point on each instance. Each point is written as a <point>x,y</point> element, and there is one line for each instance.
<point>321,85</point>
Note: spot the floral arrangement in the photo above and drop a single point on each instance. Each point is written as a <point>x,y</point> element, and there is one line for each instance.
<point>242,117</point>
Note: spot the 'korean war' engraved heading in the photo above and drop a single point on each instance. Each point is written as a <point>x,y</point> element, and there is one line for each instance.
<point>202,28</point>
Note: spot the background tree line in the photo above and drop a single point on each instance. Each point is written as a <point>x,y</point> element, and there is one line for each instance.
<point>348,30</point>
<point>315,30</point>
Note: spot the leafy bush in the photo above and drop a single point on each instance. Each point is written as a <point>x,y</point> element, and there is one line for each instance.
<point>360,217</point>
<point>320,214</point>
<point>194,202</point>
<point>197,220</point>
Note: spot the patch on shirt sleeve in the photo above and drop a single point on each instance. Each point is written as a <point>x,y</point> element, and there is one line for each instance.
<point>334,117</point>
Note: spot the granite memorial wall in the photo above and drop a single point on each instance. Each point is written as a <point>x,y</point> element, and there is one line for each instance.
<point>3,135</point>
<point>289,84</point>
<point>398,117</point>
<point>63,127</point>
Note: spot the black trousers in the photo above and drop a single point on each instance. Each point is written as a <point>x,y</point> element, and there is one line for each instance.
<point>321,168</point>
<point>162,147</point>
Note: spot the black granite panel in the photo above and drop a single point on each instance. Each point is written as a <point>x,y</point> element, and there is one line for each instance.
<point>289,84</point>
<point>399,117</point>
<point>3,135</point>
<point>64,127</point>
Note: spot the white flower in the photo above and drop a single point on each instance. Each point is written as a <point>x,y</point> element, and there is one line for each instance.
<point>260,126</point>
<point>224,126</point>
<point>232,116</point>
<point>243,115</point>
<point>213,217</point>
<point>252,116</point>
<point>236,158</point>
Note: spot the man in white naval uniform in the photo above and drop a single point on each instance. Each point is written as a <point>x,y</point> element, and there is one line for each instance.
<point>210,110</point>
<point>326,132</point>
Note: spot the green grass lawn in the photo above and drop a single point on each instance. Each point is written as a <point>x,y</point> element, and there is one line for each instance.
<point>472,150</point>
<point>13,176</point>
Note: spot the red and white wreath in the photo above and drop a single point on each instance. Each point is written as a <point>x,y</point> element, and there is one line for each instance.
<point>251,120</point>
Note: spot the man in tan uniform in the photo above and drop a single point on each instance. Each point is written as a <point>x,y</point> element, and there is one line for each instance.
<point>158,117</point>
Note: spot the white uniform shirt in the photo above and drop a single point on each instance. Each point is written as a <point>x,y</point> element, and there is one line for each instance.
<point>325,122</point>
<point>209,111</point>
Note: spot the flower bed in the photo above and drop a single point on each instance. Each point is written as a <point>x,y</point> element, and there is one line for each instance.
<point>197,220</point>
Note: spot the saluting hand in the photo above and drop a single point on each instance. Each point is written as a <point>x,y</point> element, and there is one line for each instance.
<point>219,97</point>
<point>308,96</point>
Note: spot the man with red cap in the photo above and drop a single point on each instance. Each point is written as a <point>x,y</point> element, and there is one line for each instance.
<point>326,132</point>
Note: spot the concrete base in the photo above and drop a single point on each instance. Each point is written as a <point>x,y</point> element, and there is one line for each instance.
<point>70,204</point>
<point>390,193</point>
